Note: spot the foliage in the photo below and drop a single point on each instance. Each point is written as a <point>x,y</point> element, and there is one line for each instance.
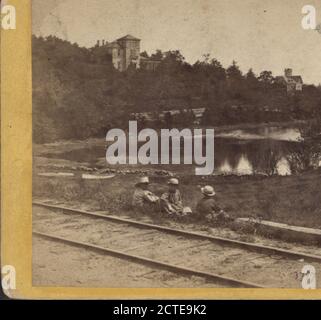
<point>77,93</point>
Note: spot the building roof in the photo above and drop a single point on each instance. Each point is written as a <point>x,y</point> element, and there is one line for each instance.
<point>128,37</point>
<point>113,45</point>
<point>149,59</point>
<point>296,79</point>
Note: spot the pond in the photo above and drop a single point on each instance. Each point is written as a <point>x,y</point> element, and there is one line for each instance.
<point>268,150</point>
<point>265,150</point>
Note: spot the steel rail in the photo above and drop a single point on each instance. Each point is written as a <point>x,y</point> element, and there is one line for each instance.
<point>155,263</point>
<point>268,250</point>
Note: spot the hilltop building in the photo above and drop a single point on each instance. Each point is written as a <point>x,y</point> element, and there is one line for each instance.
<point>124,52</point>
<point>293,83</point>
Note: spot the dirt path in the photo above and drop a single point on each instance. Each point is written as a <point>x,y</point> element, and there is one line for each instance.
<point>56,264</point>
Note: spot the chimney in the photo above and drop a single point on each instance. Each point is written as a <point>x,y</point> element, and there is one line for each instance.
<point>98,43</point>
<point>103,42</point>
<point>288,72</point>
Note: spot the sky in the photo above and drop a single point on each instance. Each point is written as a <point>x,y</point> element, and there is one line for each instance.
<point>258,34</point>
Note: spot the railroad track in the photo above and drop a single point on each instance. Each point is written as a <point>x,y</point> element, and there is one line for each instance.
<point>220,260</point>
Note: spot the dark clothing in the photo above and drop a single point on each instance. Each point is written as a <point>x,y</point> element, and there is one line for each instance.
<point>208,209</point>
<point>172,202</point>
<point>145,201</point>
<point>142,197</point>
<point>207,206</point>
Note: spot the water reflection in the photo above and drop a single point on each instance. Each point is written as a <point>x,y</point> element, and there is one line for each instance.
<point>274,133</point>
<point>262,151</point>
<point>265,151</point>
<point>246,157</point>
<point>283,167</point>
<point>225,168</point>
<point>243,167</point>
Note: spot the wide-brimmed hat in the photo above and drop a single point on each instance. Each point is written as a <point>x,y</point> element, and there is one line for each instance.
<point>187,210</point>
<point>173,181</point>
<point>208,191</point>
<point>143,180</point>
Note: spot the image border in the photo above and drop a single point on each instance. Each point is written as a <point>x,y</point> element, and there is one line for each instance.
<point>16,188</point>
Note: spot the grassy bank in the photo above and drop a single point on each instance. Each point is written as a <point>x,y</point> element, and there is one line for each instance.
<point>293,199</point>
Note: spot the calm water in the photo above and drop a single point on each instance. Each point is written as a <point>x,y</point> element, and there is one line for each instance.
<point>258,151</point>
<point>266,150</point>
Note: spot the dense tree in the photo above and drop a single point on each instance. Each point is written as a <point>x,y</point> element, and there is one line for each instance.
<point>77,93</point>
<point>266,77</point>
<point>233,71</point>
<point>144,54</point>
<point>158,55</point>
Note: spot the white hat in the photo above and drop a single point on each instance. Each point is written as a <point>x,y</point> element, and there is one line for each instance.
<point>187,210</point>
<point>173,181</point>
<point>208,191</point>
<point>143,180</point>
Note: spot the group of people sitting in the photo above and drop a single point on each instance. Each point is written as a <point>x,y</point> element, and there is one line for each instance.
<point>170,203</point>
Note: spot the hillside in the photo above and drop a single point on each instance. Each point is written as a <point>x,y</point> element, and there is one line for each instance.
<point>78,96</point>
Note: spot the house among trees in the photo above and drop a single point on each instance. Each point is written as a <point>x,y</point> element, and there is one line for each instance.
<point>124,52</point>
<point>149,63</point>
<point>292,83</point>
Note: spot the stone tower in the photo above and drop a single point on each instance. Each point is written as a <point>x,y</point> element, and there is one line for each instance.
<point>130,51</point>
<point>288,72</point>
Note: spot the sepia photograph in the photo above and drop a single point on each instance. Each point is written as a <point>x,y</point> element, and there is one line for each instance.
<point>176,144</point>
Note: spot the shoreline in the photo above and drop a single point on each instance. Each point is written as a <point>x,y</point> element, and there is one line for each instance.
<point>219,129</point>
